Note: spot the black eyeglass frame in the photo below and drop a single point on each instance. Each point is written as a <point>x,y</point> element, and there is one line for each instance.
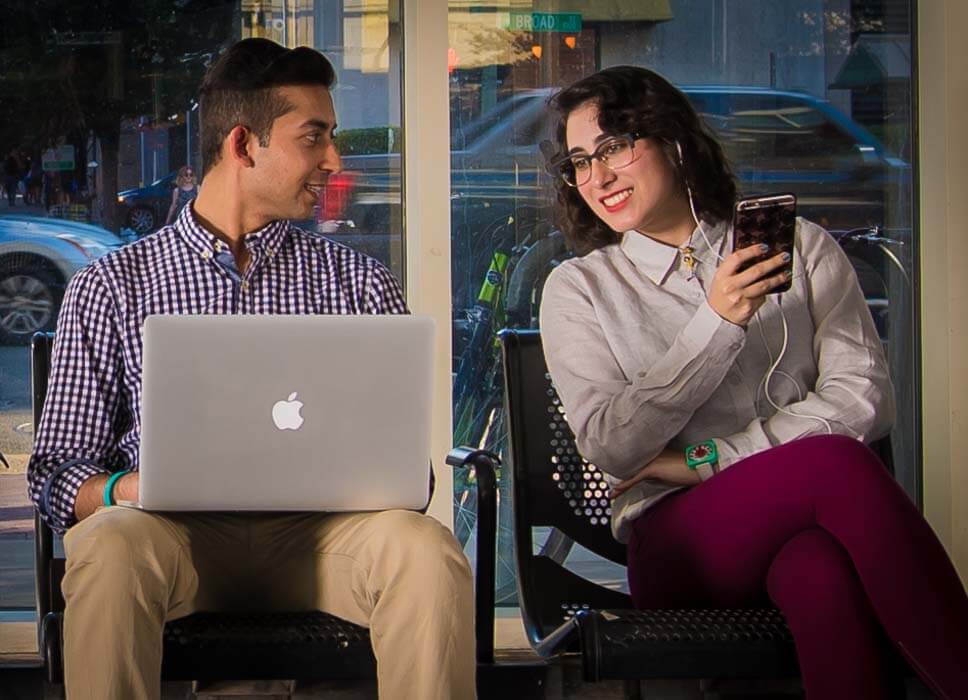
<point>555,166</point>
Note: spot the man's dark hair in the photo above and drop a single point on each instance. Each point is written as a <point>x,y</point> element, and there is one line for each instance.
<point>241,88</point>
<point>629,100</point>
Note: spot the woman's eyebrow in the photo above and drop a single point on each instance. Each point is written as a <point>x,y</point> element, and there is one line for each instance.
<point>598,139</point>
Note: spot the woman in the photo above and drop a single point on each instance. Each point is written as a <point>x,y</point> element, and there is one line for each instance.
<point>731,422</point>
<point>186,189</point>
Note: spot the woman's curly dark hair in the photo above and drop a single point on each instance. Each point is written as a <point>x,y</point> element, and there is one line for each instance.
<point>632,99</point>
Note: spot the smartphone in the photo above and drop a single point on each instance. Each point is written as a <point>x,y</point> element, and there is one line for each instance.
<point>770,219</point>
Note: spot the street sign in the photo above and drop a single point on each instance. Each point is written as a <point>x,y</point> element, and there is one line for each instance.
<point>86,38</point>
<point>565,22</point>
<point>60,158</point>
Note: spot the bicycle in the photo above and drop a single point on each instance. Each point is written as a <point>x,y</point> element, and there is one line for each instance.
<point>883,260</point>
<point>877,259</point>
<point>508,298</point>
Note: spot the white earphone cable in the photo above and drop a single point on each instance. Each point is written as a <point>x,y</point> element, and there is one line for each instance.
<point>770,372</point>
<point>769,354</point>
<point>774,364</point>
<point>692,208</point>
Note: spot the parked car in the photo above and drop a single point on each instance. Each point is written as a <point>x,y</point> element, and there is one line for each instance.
<point>38,256</point>
<point>145,208</point>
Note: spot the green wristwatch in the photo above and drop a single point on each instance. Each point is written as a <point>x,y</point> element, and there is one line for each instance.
<point>703,457</point>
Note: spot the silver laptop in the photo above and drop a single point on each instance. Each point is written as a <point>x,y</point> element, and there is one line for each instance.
<point>286,413</point>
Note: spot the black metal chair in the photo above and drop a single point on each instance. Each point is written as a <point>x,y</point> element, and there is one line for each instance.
<point>554,487</point>
<point>256,646</point>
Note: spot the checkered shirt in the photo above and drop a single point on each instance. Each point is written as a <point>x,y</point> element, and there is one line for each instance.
<point>91,422</point>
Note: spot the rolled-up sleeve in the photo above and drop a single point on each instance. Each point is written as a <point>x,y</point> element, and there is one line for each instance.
<point>623,422</point>
<point>76,429</point>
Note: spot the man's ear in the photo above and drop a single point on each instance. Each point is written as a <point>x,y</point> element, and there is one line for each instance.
<point>239,143</point>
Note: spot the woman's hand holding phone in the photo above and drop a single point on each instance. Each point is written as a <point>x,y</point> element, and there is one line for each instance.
<point>736,296</point>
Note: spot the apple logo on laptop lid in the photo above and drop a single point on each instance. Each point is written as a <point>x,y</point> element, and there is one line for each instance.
<point>285,414</point>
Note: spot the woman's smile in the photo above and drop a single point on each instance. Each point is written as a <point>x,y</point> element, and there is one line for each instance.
<point>616,200</point>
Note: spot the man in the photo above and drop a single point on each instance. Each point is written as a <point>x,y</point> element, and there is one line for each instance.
<point>267,122</point>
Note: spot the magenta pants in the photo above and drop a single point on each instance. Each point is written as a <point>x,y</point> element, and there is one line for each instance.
<point>819,528</point>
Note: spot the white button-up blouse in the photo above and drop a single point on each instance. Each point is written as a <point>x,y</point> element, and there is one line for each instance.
<point>642,362</point>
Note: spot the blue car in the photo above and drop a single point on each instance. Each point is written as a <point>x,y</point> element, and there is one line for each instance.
<point>145,208</point>
<point>38,255</point>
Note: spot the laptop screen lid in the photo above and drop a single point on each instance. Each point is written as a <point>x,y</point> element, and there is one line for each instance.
<point>286,413</point>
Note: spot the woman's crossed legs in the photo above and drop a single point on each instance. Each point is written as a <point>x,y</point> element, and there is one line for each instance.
<point>819,527</point>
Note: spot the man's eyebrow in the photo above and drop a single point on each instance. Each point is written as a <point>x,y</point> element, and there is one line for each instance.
<point>320,124</point>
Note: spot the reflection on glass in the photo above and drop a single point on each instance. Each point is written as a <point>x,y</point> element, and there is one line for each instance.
<point>99,114</point>
<point>811,97</point>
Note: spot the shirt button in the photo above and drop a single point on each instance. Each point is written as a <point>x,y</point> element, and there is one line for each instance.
<point>206,255</point>
<point>245,286</point>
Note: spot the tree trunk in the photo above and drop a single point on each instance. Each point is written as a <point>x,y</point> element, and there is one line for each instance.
<point>108,167</point>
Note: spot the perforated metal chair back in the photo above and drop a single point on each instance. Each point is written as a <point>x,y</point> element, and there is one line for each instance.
<point>553,487</point>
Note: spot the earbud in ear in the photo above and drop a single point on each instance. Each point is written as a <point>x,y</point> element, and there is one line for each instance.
<point>679,151</point>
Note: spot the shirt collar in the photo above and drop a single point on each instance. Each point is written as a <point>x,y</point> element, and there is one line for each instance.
<point>266,240</point>
<point>657,260</point>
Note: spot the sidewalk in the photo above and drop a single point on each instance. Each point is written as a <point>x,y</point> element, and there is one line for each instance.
<point>21,208</point>
<point>16,541</point>
<point>16,510</point>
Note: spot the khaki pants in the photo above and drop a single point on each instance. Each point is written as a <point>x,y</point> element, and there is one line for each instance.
<point>399,573</point>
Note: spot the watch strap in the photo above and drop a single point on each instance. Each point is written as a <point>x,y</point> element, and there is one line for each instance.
<point>703,458</point>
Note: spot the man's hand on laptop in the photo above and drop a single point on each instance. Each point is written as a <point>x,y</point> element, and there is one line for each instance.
<point>91,495</point>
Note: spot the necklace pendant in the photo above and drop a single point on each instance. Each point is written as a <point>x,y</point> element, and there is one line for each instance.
<point>687,258</point>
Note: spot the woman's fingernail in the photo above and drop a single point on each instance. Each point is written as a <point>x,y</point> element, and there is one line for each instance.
<point>786,257</point>
<point>764,247</point>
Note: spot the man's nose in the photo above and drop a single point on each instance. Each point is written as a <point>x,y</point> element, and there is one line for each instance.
<point>331,162</point>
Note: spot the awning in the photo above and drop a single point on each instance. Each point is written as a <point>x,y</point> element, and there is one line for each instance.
<point>875,59</point>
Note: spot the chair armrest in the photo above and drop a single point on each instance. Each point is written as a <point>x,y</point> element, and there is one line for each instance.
<point>484,464</point>
<point>43,556</point>
<point>51,644</point>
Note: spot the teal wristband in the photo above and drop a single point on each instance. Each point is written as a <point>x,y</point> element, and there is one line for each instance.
<point>109,486</point>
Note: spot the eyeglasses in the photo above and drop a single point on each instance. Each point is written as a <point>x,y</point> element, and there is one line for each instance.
<point>615,153</point>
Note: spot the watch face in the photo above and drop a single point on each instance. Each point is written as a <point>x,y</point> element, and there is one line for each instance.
<point>700,452</point>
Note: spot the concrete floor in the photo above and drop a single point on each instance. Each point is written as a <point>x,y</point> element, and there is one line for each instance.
<point>528,682</point>
<point>514,678</point>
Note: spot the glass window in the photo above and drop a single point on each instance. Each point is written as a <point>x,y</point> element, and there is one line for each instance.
<point>807,96</point>
<point>99,113</point>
